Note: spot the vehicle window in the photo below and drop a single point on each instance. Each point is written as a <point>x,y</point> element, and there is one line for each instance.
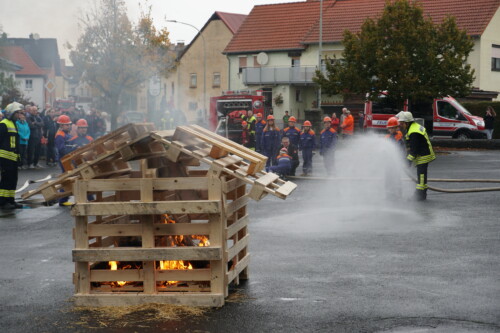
<point>446,110</point>
<point>384,106</point>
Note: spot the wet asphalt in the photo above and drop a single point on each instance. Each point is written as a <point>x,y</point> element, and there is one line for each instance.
<point>320,263</point>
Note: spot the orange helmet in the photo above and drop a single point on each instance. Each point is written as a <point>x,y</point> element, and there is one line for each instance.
<point>259,115</point>
<point>307,123</point>
<point>327,119</point>
<point>244,123</point>
<point>392,122</point>
<point>270,117</point>
<point>292,118</point>
<point>82,123</point>
<point>63,120</point>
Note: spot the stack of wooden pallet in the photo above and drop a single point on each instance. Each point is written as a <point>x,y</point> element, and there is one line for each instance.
<point>172,231</point>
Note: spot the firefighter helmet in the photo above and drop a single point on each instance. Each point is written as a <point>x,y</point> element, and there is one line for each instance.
<point>244,123</point>
<point>82,123</point>
<point>307,123</point>
<point>292,118</point>
<point>327,119</point>
<point>63,120</point>
<point>259,115</point>
<point>270,117</point>
<point>405,116</point>
<point>12,108</point>
<point>392,122</point>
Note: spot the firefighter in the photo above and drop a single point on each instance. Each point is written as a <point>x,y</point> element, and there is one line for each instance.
<point>270,141</point>
<point>348,124</point>
<point>259,128</point>
<point>420,150</point>
<point>283,164</point>
<point>395,134</point>
<point>328,140</point>
<point>307,145</point>
<point>63,146</point>
<point>247,138</point>
<point>81,139</point>
<point>292,132</point>
<point>9,156</point>
<point>251,120</point>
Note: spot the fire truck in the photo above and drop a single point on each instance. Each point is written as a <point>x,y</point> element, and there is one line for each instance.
<point>64,105</point>
<point>443,118</point>
<point>226,111</point>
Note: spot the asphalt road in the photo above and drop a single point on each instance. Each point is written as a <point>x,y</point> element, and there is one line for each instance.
<point>333,257</point>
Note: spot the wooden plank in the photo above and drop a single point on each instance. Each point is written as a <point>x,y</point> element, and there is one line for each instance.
<point>202,274</point>
<point>141,254</point>
<point>267,179</point>
<point>237,226</point>
<point>159,184</point>
<point>232,184</point>
<point>236,248</point>
<point>103,275</point>
<point>286,189</point>
<point>237,204</point>
<point>102,230</point>
<point>240,266</point>
<point>146,208</point>
<point>228,160</point>
<point>124,299</point>
<point>181,229</point>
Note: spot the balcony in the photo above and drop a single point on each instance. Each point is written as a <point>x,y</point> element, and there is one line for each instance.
<point>302,75</point>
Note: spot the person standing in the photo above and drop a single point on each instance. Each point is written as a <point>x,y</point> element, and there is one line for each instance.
<point>293,152</point>
<point>286,118</point>
<point>489,122</point>
<point>271,141</point>
<point>35,123</point>
<point>335,122</point>
<point>328,140</point>
<point>81,138</point>
<point>23,130</point>
<point>292,132</point>
<point>247,138</point>
<point>50,129</point>
<point>63,147</point>
<point>361,121</point>
<point>9,156</point>
<point>259,128</point>
<point>420,150</point>
<point>348,124</point>
<point>395,134</point>
<point>307,145</point>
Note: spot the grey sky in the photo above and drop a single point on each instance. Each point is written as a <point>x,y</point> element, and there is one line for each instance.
<point>59,18</point>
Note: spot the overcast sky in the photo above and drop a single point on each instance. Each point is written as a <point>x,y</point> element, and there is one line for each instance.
<point>59,18</point>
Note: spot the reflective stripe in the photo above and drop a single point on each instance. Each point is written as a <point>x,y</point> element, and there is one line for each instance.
<point>421,184</point>
<point>8,155</point>
<point>416,128</point>
<point>7,193</point>
<point>410,157</point>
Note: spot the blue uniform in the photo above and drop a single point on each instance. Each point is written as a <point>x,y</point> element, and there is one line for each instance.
<point>307,145</point>
<point>259,128</point>
<point>271,143</point>
<point>328,140</point>
<point>80,140</point>
<point>283,165</point>
<point>63,147</point>
<point>292,133</point>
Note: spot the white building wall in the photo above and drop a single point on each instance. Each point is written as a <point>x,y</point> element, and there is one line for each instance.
<point>488,79</point>
<point>36,93</point>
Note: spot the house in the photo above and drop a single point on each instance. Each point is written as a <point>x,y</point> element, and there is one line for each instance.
<point>282,60</point>
<point>202,69</point>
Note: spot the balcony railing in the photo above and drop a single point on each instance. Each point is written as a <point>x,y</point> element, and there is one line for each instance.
<point>278,75</point>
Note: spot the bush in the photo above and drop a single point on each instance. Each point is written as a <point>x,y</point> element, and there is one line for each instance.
<point>479,109</point>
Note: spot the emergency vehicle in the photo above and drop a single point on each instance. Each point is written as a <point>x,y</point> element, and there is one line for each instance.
<point>443,118</point>
<point>64,105</point>
<point>226,111</point>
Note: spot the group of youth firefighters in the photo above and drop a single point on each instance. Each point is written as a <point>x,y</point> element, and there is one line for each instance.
<point>281,147</point>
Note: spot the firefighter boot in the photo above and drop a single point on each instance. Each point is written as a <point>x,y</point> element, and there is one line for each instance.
<point>420,195</point>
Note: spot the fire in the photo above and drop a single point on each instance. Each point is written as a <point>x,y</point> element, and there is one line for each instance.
<point>203,240</point>
<point>114,266</point>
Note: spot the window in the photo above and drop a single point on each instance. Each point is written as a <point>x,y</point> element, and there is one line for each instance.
<point>295,62</point>
<point>298,95</point>
<point>193,80</point>
<point>495,58</point>
<point>243,63</point>
<point>216,81</point>
<point>255,62</point>
<point>193,106</point>
<point>28,84</point>
<point>448,111</point>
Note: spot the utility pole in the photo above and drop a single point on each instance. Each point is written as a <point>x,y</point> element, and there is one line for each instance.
<point>320,47</point>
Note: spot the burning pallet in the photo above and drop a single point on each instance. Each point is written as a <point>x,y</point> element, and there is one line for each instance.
<point>174,232</point>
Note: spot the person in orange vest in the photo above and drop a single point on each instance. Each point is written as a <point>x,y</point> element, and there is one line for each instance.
<point>247,138</point>
<point>328,140</point>
<point>348,124</point>
<point>307,145</point>
<point>395,134</point>
<point>335,122</point>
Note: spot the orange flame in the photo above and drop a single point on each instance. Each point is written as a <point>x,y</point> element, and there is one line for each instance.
<point>114,266</point>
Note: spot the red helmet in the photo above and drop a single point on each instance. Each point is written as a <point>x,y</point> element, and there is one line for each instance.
<point>307,123</point>
<point>292,118</point>
<point>244,123</point>
<point>259,115</point>
<point>392,122</point>
<point>82,123</point>
<point>327,119</point>
<point>63,120</point>
<point>270,117</point>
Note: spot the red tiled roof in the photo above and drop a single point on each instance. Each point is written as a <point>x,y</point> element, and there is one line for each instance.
<point>276,27</point>
<point>18,55</point>
<point>473,16</point>
<point>232,21</point>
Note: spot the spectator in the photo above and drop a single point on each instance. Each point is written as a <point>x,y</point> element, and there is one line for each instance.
<point>293,152</point>
<point>285,118</point>
<point>335,122</point>
<point>97,126</point>
<point>307,145</point>
<point>489,122</point>
<point>50,129</point>
<point>292,132</point>
<point>63,147</point>
<point>35,123</point>
<point>271,141</point>
<point>23,130</point>
<point>348,124</point>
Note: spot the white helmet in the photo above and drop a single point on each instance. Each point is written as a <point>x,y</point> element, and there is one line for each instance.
<point>12,108</point>
<point>405,116</point>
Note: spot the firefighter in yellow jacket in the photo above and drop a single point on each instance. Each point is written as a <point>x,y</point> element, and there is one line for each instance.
<point>420,150</point>
<point>9,156</point>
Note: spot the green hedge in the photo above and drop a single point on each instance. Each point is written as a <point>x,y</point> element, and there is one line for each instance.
<point>479,109</point>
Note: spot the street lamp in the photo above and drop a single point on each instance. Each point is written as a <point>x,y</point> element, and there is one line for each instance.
<point>204,64</point>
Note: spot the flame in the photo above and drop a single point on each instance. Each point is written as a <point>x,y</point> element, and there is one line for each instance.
<point>114,266</point>
<point>203,240</point>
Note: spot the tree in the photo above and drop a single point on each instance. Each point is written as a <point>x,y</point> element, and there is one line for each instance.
<point>113,56</point>
<point>404,54</point>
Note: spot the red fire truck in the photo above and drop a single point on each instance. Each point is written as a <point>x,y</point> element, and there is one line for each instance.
<point>443,118</point>
<point>226,110</point>
<point>64,105</point>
